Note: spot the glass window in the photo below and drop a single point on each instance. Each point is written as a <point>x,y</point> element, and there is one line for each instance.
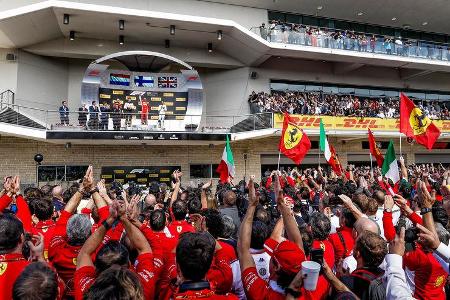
<point>312,21</point>
<point>203,171</point>
<point>200,171</point>
<point>297,87</point>
<point>331,89</point>
<point>313,88</point>
<point>277,16</point>
<point>75,172</point>
<point>372,29</point>
<point>279,86</point>
<point>362,92</point>
<point>296,19</point>
<point>342,25</point>
<point>387,31</point>
<point>359,27</point>
<point>346,90</point>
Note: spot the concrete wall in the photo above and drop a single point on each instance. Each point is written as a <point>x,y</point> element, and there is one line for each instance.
<point>8,71</point>
<point>21,163</point>
<point>246,16</point>
<point>41,82</point>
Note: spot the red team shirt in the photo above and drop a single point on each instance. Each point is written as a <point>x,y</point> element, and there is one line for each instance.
<point>429,276</point>
<point>339,250</point>
<point>47,229</point>
<point>85,277</point>
<point>11,265</point>
<point>178,227</point>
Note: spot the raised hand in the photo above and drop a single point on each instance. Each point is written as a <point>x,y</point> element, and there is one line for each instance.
<point>427,238</point>
<point>207,185</point>
<point>397,245</point>
<point>101,187</point>
<point>88,180</point>
<point>388,202</point>
<point>36,247</point>
<point>253,198</point>
<point>15,185</point>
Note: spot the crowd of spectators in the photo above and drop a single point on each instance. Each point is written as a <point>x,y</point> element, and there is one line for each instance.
<point>300,34</point>
<point>317,103</point>
<point>245,241</point>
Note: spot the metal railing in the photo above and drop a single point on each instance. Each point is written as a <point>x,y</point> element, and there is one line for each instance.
<point>360,42</point>
<point>121,121</point>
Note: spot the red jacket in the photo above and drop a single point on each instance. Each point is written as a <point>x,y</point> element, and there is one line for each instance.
<point>23,211</point>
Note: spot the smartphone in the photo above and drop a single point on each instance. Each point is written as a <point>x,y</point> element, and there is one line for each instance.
<point>317,256</point>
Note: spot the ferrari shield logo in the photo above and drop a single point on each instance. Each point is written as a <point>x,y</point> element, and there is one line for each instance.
<point>3,267</point>
<point>419,121</point>
<point>292,136</point>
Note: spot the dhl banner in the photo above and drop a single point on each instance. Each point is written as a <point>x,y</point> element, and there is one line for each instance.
<point>351,123</point>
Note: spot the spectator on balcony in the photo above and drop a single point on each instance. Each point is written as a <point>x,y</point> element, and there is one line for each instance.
<point>116,115</point>
<point>263,31</point>
<point>93,115</point>
<point>104,116</point>
<point>64,113</point>
<point>82,115</point>
<point>373,41</point>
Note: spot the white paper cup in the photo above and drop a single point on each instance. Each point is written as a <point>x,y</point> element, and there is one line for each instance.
<point>311,269</point>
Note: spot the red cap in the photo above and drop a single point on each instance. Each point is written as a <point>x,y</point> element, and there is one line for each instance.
<point>287,254</point>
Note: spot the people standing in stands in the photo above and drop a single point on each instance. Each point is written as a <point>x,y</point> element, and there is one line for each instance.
<point>82,115</point>
<point>116,115</point>
<point>93,115</point>
<point>64,113</point>
<point>129,108</point>
<point>144,110</point>
<point>162,108</point>
<point>104,116</point>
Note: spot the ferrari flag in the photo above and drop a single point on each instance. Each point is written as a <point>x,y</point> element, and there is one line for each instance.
<point>294,143</point>
<point>417,125</point>
<point>374,149</point>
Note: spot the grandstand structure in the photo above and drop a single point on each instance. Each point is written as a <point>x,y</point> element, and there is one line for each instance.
<point>203,59</point>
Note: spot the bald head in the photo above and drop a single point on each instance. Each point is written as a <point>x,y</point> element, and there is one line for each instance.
<point>366,224</point>
<point>229,198</point>
<point>150,200</point>
<point>379,196</point>
<point>57,191</point>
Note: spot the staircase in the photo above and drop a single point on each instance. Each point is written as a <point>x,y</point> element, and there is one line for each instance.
<point>10,116</point>
<point>253,122</point>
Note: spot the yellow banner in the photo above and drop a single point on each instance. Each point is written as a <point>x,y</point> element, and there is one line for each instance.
<point>351,123</point>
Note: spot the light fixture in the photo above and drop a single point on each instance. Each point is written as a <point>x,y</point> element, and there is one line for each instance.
<point>167,43</point>
<point>406,26</point>
<point>121,39</point>
<point>72,35</point>
<point>219,34</point>
<point>66,19</point>
<point>360,13</point>
<point>425,23</point>
<point>121,24</point>
<point>394,19</point>
<point>210,49</point>
<point>319,7</point>
<point>172,29</point>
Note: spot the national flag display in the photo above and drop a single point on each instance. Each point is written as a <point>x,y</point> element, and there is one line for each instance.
<point>374,149</point>
<point>226,167</point>
<point>294,143</point>
<point>119,79</point>
<point>390,166</point>
<point>144,81</point>
<point>328,151</point>
<point>417,125</point>
<point>167,82</point>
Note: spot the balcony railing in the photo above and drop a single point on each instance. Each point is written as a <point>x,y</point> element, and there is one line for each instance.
<point>359,42</point>
<point>120,121</point>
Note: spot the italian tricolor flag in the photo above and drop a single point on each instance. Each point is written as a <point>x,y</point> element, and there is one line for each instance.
<point>226,167</point>
<point>328,151</point>
<point>390,167</point>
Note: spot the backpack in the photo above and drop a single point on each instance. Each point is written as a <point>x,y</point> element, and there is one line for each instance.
<point>376,289</point>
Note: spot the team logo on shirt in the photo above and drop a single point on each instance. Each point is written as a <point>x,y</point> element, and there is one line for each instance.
<point>439,281</point>
<point>419,121</point>
<point>3,267</point>
<point>262,271</point>
<point>179,228</point>
<point>74,260</point>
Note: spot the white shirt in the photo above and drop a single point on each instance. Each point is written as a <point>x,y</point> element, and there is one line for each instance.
<point>162,109</point>
<point>394,279</point>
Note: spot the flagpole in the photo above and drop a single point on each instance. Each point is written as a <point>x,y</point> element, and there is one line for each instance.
<point>371,166</point>
<point>279,157</point>
<point>319,157</point>
<point>400,144</point>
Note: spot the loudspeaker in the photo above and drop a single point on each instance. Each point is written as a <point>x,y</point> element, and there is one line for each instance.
<point>253,75</point>
<point>11,57</point>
